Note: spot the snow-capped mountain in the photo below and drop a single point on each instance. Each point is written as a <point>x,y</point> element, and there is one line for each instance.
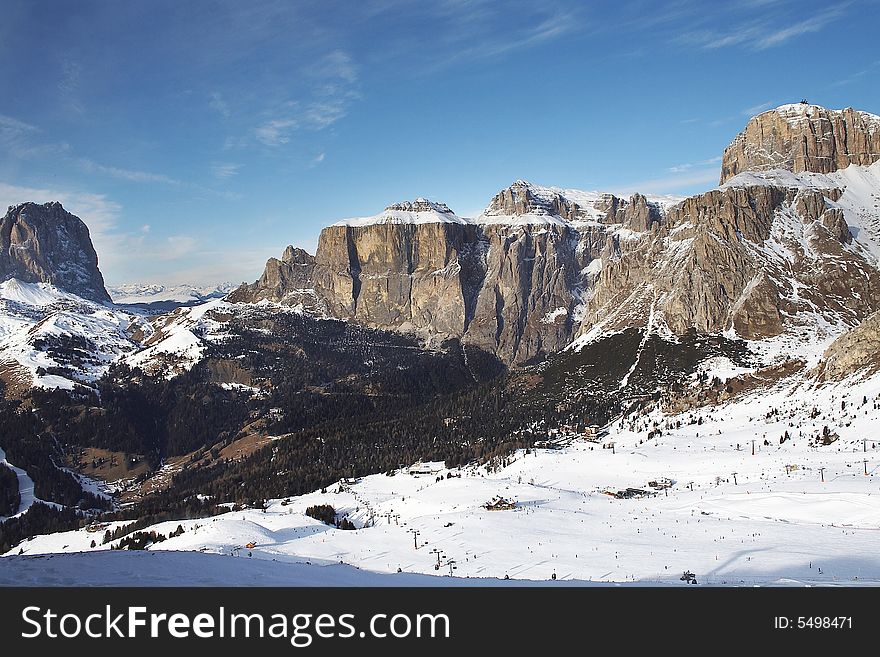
<point>771,252</point>
<point>150,293</point>
<point>54,339</point>
<point>419,211</point>
<point>804,137</point>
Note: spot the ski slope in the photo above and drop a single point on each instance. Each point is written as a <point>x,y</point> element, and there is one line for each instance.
<point>790,513</point>
<point>25,487</point>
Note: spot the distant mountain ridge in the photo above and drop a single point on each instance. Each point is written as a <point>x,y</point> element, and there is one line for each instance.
<point>136,293</point>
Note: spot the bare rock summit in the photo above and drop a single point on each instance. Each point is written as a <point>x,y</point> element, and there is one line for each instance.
<point>47,244</point>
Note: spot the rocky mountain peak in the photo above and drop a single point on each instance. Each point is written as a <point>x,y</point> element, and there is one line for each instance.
<point>44,243</point>
<point>804,137</point>
<point>295,256</point>
<point>523,198</point>
<point>420,205</point>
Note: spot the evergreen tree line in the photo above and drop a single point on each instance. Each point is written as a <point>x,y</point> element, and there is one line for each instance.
<point>9,495</point>
<point>39,519</point>
<point>482,423</point>
<point>139,541</point>
<point>37,452</point>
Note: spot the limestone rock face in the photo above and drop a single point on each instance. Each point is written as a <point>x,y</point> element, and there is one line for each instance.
<point>286,280</point>
<point>392,275</point>
<point>856,350</point>
<point>508,281</point>
<point>46,244</point>
<point>748,258</point>
<point>804,137</point>
<point>521,198</point>
<point>524,302</point>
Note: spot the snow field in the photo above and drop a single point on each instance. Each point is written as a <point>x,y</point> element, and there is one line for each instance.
<point>730,517</point>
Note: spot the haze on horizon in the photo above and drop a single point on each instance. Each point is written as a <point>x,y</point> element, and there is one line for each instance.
<point>198,139</point>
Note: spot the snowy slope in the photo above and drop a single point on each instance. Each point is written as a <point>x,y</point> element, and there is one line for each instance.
<point>420,211</point>
<point>859,201</point>
<point>790,513</point>
<point>25,487</point>
<point>173,569</point>
<point>177,341</point>
<point>801,113</point>
<point>52,338</point>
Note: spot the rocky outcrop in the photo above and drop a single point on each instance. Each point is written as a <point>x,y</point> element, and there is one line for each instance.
<point>47,244</point>
<point>286,280</point>
<point>523,286</point>
<point>804,137</point>
<point>523,305</point>
<point>747,258</point>
<point>857,350</point>
<point>522,198</point>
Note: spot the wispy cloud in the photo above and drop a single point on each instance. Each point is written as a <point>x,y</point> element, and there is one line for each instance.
<point>335,64</point>
<point>490,44</point>
<point>759,4</point>
<point>16,137</point>
<point>858,75</point>
<point>210,266</point>
<point>176,247</point>
<point>219,105</point>
<point>687,166</point>
<point>131,175</point>
<point>328,99</point>
<point>68,86</point>
<point>762,33</point>
<point>276,131</point>
<point>224,170</point>
<point>808,26</point>
<point>10,126</point>
<point>22,140</point>
<point>103,217</point>
<point>757,109</point>
<point>100,212</point>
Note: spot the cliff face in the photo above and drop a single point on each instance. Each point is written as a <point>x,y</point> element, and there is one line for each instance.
<point>804,137</point>
<point>523,303</point>
<point>385,275</point>
<point>508,282</point>
<point>854,351</point>
<point>754,257</point>
<point>47,244</point>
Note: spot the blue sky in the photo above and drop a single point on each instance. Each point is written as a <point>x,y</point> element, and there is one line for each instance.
<point>196,139</point>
